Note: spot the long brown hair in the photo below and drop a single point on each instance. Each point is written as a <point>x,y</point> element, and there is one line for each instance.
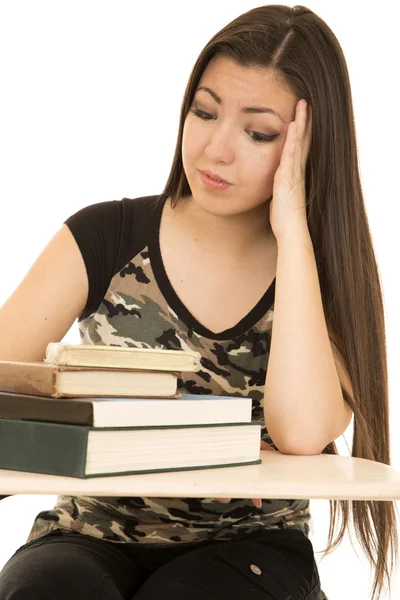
<point>303,52</point>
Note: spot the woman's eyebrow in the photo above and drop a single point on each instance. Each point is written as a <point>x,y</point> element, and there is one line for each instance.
<point>246,109</point>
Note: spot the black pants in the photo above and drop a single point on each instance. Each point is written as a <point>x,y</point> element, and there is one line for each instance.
<point>272,565</point>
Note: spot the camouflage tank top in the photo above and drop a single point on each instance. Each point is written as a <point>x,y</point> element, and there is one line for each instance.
<point>132,303</point>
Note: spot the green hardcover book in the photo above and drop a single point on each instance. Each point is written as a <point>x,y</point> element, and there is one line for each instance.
<point>78,451</point>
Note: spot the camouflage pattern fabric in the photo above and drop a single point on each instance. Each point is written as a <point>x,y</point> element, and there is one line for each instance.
<point>135,313</point>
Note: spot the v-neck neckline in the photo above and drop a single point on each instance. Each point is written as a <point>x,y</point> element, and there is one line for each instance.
<point>175,303</point>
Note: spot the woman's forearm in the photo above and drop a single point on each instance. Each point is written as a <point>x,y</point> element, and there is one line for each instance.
<point>304,409</point>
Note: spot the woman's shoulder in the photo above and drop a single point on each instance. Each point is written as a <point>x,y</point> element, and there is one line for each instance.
<point>108,235</point>
<point>115,208</point>
<point>114,223</point>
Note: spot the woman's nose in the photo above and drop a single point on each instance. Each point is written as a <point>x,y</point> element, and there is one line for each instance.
<point>220,147</point>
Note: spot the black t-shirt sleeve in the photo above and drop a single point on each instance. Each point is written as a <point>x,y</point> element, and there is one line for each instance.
<point>108,235</point>
<point>96,229</point>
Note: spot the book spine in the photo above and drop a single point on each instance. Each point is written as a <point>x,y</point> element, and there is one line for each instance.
<point>38,447</point>
<point>55,385</point>
<point>28,378</point>
<point>16,407</point>
<point>53,350</point>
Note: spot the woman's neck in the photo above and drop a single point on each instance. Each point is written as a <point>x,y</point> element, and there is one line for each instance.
<point>234,235</point>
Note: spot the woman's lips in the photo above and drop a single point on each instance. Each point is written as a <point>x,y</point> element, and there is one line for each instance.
<point>212,184</point>
<point>215,176</point>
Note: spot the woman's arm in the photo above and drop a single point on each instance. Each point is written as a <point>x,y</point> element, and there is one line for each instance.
<point>304,409</point>
<point>47,301</point>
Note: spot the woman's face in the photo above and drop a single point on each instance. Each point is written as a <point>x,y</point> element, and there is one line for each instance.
<point>244,148</point>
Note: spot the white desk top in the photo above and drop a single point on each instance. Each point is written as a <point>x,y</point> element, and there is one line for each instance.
<point>279,476</point>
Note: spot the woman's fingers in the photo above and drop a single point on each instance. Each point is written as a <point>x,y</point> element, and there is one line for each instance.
<point>256,501</point>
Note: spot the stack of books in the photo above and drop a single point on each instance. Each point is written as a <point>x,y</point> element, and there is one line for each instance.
<point>90,411</point>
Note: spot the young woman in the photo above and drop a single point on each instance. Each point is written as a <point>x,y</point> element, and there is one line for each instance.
<point>258,255</point>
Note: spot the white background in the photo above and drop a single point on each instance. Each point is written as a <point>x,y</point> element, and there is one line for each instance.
<point>89,107</point>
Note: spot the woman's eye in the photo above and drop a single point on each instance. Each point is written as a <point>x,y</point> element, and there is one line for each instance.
<point>255,136</point>
<point>262,137</point>
<point>203,115</point>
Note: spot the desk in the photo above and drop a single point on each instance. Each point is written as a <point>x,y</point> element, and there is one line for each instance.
<point>279,476</point>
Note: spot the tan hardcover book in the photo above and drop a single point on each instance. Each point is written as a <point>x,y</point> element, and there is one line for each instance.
<point>88,355</point>
<point>56,381</point>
